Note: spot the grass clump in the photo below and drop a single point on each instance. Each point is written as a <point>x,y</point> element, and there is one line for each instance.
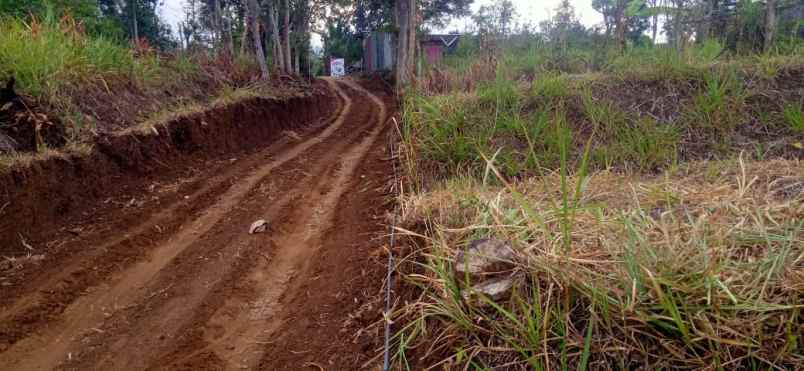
<point>86,85</point>
<point>44,55</point>
<point>551,87</point>
<point>677,271</point>
<point>720,104</point>
<point>646,145</point>
<point>646,236</point>
<point>794,115</point>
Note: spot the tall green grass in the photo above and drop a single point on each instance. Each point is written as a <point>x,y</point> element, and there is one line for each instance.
<point>658,264</point>
<point>794,114</point>
<point>45,54</point>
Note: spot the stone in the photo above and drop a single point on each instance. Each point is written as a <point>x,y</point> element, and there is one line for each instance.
<point>7,144</point>
<point>786,188</point>
<point>258,226</point>
<point>495,288</point>
<point>485,256</point>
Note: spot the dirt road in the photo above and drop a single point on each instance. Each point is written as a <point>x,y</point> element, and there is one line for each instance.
<point>203,293</point>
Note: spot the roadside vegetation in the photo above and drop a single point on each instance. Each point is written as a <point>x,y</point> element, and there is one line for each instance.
<point>651,197</point>
<point>74,71</point>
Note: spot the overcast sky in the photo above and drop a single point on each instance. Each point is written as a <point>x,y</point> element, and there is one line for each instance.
<point>530,11</point>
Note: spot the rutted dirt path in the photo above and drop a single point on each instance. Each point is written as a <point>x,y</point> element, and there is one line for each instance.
<point>208,295</point>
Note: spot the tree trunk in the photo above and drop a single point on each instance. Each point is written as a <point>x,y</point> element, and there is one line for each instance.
<point>406,40</point>
<point>286,37</point>
<point>219,25</point>
<point>244,37</point>
<point>296,66</point>
<point>655,23</point>
<point>279,58</point>
<point>621,29</point>
<point>301,41</point>
<point>134,27</point>
<point>253,17</point>
<point>770,23</point>
<point>230,35</point>
<point>677,24</point>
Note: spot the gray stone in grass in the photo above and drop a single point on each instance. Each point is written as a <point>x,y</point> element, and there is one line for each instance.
<point>7,144</point>
<point>786,188</point>
<point>486,255</point>
<point>494,288</point>
<point>258,226</point>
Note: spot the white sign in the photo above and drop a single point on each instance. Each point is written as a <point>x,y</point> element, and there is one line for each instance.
<point>337,67</point>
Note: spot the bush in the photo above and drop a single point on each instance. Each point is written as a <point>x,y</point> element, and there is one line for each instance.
<point>44,55</point>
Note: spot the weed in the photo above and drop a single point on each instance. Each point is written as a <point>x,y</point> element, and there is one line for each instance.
<point>794,115</point>
<point>718,107</point>
<point>46,54</point>
<point>550,87</point>
<point>500,95</point>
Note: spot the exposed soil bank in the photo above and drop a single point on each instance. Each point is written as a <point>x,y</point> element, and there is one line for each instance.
<point>163,273</point>
<point>38,197</point>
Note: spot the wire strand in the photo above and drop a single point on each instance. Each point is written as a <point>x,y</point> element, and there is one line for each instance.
<point>389,277</point>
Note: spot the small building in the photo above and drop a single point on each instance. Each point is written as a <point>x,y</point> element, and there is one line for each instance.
<point>434,47</point>
<point>379,51</point>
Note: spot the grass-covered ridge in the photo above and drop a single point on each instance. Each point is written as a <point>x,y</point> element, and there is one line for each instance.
<point>653,201</point>
<point>645,119</point>
<point>78,85</point>
<point>44,55</point>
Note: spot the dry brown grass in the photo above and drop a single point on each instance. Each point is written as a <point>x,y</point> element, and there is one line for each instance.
<point>700,267</point>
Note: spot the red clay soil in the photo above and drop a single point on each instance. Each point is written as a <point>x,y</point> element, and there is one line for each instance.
<point>139,256</point>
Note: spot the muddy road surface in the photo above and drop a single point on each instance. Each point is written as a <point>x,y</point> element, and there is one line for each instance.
<point>204,293</point>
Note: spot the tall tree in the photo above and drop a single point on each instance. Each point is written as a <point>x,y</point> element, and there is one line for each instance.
<point>286,36</point>
<point>132,9</point>
<point>253,18</point>
<point>614,17</point>
<point>300,23</point>
<point>406,41</point>
<point>770,23</point>
<point>370,15</point>
<point>563,22</point>
<point>140,19</point>
<point>407,18</point>
<point>273,20</point>
<point>496,18</point>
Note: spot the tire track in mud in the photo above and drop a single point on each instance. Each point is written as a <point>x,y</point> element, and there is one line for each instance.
<point>327,316</point>
<point>156,309</point>
<point>243,331</point>
<point>27,307</point>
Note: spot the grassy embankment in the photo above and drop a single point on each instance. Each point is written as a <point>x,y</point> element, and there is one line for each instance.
<point>93,85</point>
<point>655,208</point>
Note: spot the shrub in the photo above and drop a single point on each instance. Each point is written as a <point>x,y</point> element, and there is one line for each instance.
<point>795,117</point>
<point>45,54</point>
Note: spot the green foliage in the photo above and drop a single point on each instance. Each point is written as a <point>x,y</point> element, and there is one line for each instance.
<point>746,33</point>
<point>501,96</point>
<point>551,87</point>
<point>646,145</point>
<point>496,18</point>
<point>87,13</point>
<point>468,46</point>
<point>445,123</point>
<point>44,60</point>
<point>341,42</point>
<point>83,10</point>
<point>794,115</point>
<point>510,157</point>
<point>720,103</point>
